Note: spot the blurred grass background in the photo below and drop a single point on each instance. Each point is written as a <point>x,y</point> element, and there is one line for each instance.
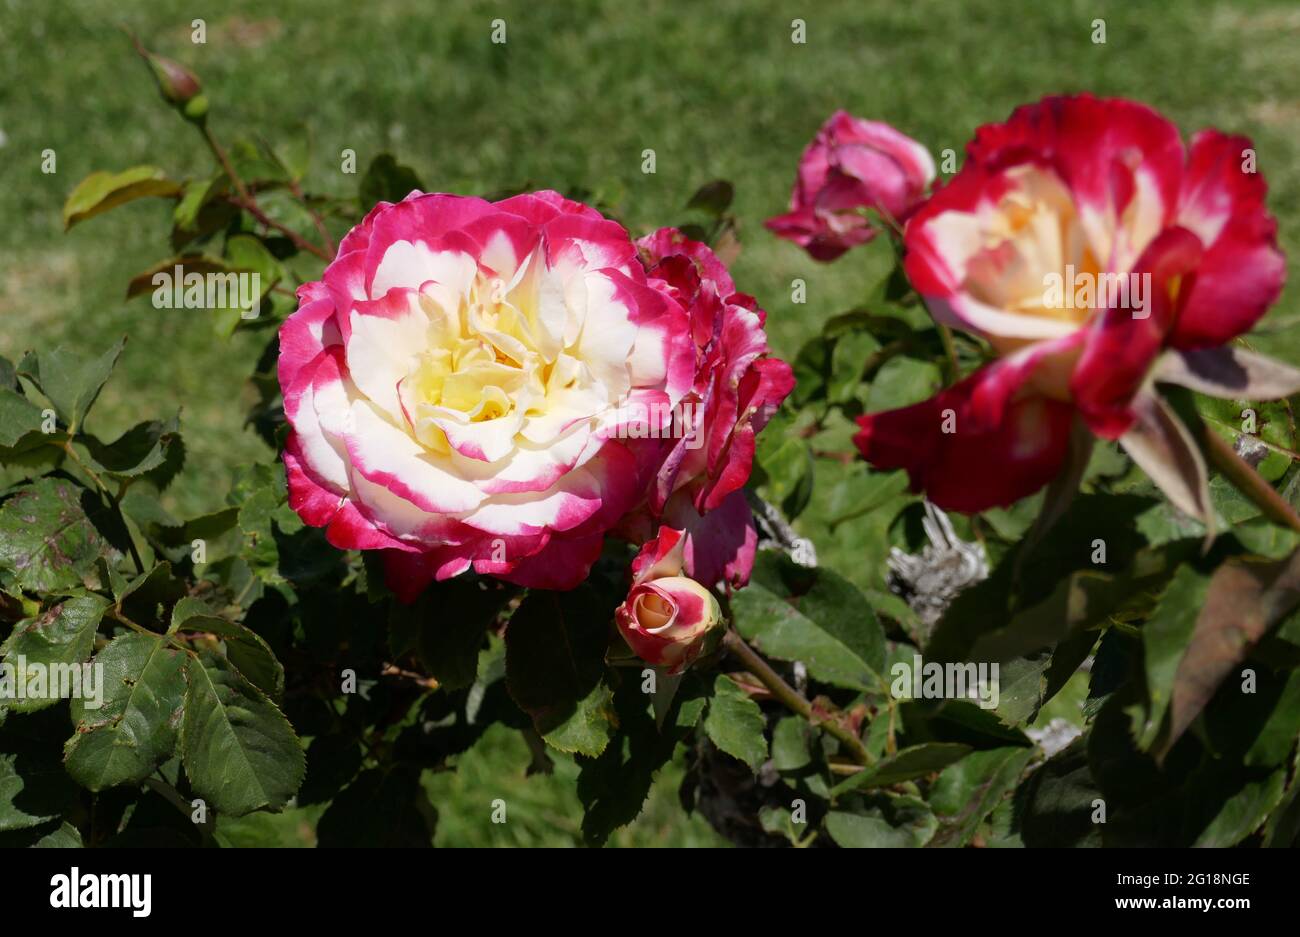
<point>571,100</point>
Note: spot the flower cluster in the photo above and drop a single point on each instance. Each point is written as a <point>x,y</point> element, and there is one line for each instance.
<point>1096,256</point>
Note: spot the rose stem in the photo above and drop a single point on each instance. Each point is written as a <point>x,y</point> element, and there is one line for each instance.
<point>791,697</point>
<point>316,218</point>
<point>245,199</point>
<point>1249,482</point>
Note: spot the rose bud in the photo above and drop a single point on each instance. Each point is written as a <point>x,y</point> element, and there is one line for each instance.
<point>176,82</point>
<point>179,86</point>
<point>852,166</point>
<point>670,622</point>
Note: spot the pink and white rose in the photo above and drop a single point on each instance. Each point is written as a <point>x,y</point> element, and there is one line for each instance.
<point>852,166</point>
<point>493,386</point>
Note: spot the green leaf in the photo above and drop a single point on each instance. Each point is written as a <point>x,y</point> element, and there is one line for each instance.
<point>246,650</point>
<point>239,751</point>
<point>294,152</point>
<point>1243,811</point>
<point>787,470</point>
<point>1080,601</point>
<point>862,492</point>
<point>1164,640</point>
<point>713,198</point>
<point>70,379</point>
<point>901,382</point>
<point>138,451</point>
<point>1283,826</point>
<point>830,627</point>
<point>848,361</point>
<point>889,821</point>
<point>197,194</point>
<point>1270,425</point>
<point>448,625</point>
<point>255,161</point>
<point>1058,802</point>
<point>40,648</point>
<point>588,729</point>
<point>812,366</point>
<point>1070,546</point>
<point>1279,729</point>
<point>148,599</point>
<point>188,263</point>
<point>735,724</point>
<point>969,790</point>
<point>135,729</point>
<point>613,787</point>
<point>101,191</point>
<point>47,538</point>
<point>63,836</point>
<point>34,788</point>
<point>914,762</point>
<point>791,744</point>
<point>387,180</point>
<point>18,417</point>
<point>333,760</point>
<point>555,651</point>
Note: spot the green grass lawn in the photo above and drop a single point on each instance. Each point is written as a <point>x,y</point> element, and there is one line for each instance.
<point>572,99</point>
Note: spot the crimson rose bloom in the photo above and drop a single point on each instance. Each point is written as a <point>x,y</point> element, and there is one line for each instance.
<point>1096,255</point>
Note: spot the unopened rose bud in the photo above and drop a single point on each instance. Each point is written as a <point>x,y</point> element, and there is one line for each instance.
<point>179,86</point>
<point>670,622</point>
<point>176,82</point>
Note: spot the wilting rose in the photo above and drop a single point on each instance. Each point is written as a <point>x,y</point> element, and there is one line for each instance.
<point>459,386</point>
<point>735,391</point>
<point>851,166</point>
<point>668,619</point>
<point>1061,203</point>
<point>498,386</point>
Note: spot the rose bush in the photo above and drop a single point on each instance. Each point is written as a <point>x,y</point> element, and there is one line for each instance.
<point>538,477</point>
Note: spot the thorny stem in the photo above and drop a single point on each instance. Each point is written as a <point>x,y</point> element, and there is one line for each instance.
<point>220,153</point>
<point>392,670</point>
<point>1246,480</point>
<point>791,698</point>
<point>316,219</point>
<point>299,241</point>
